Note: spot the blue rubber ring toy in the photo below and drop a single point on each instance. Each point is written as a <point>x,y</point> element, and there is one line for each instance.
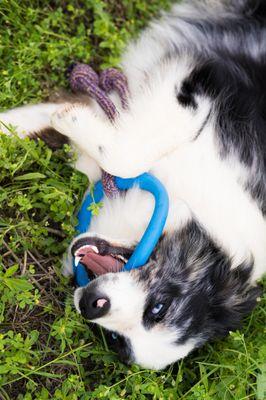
<point>151,235</point>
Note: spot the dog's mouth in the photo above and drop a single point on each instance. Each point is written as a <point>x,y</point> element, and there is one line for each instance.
<point>98,264</point>
<point>99,256</point>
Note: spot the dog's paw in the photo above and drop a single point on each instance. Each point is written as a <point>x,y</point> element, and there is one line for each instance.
<point>71,120</point>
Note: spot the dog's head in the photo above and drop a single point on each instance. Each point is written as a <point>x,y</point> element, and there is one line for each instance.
<point>186,294</point>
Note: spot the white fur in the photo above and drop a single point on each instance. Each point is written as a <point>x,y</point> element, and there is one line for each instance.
<point>134,144</point>
<point>127,302</point>
<point>28,119</point>
<point>77,297</point>
<point>156,348</point>
<point>87,165</point>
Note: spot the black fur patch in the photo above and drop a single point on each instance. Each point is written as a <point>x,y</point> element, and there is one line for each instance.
<point>51,137</point>
<point>121,346</point>
<point>186,95</point>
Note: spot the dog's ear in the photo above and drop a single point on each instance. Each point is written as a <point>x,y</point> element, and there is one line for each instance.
<point>231,296</point>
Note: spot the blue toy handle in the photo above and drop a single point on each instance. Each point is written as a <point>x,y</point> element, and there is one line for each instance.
<point>84,220</point>
<point>153,232</point>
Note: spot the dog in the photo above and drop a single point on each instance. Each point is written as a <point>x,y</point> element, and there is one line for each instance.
<point>196,121</point>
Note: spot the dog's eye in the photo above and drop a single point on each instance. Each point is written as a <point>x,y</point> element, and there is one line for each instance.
<point>157,308</point>
<point>155,312</point>
<point>114,336</point>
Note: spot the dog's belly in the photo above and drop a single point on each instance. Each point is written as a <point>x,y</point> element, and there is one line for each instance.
<point>200,185</point>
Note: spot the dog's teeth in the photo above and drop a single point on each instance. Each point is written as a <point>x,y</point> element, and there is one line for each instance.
<point>78,256</point>
<point>77,260</point>
<point>121,258</point>
<point>95,249</point>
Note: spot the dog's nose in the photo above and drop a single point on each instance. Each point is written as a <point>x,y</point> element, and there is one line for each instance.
<point>93,304</point>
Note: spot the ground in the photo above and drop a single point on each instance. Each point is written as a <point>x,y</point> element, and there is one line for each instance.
<point>46,350</point>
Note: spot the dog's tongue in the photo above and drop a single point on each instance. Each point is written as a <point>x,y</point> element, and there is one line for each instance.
<point>98,264</point>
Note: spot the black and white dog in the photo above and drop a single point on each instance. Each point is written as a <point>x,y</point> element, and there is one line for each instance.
<point>197,121</point>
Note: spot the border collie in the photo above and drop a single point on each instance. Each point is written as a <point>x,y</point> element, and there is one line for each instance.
<point>197,121</point>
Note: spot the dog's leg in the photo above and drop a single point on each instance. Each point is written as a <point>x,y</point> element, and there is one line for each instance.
<point>35,121</point>
<point>154,127</point>
<point>119,150</point>
<point>28,120</point>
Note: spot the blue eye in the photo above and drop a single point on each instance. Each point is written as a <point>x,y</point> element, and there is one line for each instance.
<point>157,308</point>
<point>114,335</point>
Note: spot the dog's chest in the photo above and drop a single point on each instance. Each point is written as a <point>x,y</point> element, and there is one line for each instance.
<point>201,185</point>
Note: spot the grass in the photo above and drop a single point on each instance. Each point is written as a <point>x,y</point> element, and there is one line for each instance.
<point>46,350</point>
